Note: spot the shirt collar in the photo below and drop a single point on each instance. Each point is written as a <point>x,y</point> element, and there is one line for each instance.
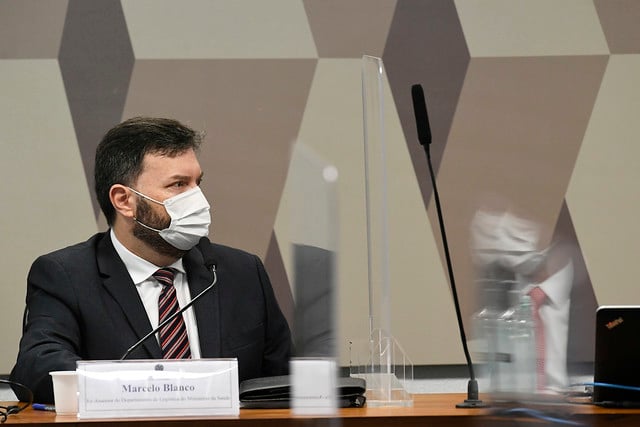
<point>558,286</point>
<point>139,269</point>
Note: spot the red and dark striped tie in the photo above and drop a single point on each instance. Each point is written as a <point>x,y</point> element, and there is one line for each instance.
<point>538,298</point>
<point>174,341</point>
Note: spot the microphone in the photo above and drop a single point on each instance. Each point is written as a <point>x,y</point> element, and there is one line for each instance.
<point>424,136</point>
<point>210,263</point>
<point>208,254</point>
<point>422,118</point>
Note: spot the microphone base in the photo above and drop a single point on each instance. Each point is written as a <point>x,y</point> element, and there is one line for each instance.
<point>472,400</point>
<point>472,403</point>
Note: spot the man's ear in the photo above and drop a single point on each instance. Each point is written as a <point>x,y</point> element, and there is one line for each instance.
<point>123,200</point>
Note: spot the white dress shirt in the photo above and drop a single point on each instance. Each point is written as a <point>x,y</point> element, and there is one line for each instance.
<point>555,318</point>
<point>148,288</point>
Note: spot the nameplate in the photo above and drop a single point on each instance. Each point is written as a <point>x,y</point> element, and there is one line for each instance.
<point>157,388</point>
<point>313,384</point>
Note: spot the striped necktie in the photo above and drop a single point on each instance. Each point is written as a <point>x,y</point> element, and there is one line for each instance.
<point>538,298</point>
<point>174,341</point>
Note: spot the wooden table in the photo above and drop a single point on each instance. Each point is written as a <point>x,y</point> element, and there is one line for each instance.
<point>430,410</point>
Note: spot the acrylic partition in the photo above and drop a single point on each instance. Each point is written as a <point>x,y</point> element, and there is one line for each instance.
<point>313,246</point>
<point>309,249</point>
<point>379,358</point>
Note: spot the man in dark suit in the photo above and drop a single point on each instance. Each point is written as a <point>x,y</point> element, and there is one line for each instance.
<point>94,300</point>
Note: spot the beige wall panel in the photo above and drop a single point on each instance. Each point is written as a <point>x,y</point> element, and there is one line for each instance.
<point>513,143</point>
<point>218,29</point>
<point>31,28</point>
<point>251,112</point>
<point>603,194</point>
<point>421,300</point>
<point>531,28</point>
<point>619,21</point>
<point>342,29</point>
<point>45,203</point>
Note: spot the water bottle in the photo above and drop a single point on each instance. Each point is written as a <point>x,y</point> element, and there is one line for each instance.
<point>486,325</point>
<point>524,347</point>
<point>508,331</point>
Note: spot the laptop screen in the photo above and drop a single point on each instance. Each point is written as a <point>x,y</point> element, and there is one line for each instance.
<point>617,356</point>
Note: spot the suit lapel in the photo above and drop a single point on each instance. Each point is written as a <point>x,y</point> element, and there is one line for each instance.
<point>206,309</point>
<point>120,286</point>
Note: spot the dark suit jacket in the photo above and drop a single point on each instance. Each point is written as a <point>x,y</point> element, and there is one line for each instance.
<point>82,304</point>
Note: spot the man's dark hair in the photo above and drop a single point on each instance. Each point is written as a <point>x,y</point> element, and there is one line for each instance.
<point>120,154</point>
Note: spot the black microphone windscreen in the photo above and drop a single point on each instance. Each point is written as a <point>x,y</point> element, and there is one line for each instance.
<point>208,253</point>
<point>420,111</point>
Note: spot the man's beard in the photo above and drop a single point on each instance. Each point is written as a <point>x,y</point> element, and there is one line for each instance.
<point>147,216</point>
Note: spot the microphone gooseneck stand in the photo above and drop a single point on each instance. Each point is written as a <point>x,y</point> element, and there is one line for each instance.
<point>424,136</point>
<point>210,262</point>
<point>173,316</point>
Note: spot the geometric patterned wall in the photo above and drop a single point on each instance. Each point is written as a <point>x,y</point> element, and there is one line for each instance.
<point>533,101</point>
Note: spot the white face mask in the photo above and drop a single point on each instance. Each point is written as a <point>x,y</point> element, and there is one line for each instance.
<point>190,218</point>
